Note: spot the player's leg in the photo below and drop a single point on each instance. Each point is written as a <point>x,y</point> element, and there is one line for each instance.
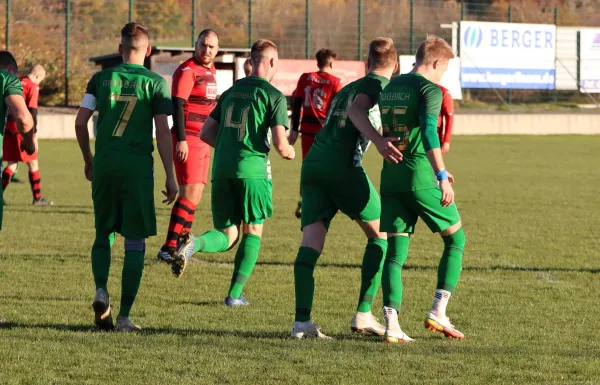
<point>445,221</point>
<point>306,141</point>
<point>35,181</point>
<point>15,176</point>
<point>398,219</point>
<point>243,265</point>
<point>133,268</point>
<point>7,173</point>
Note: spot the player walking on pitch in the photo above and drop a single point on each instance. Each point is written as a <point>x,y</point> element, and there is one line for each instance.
<point>410,106</point>
<point>312,98</point>
<point>127,97</point>
<point>445,120</point>
<point>12,98</point>
<point>12,151</point>
<point>194,93</point>
<point>241,176</point>
<point>333,179</point>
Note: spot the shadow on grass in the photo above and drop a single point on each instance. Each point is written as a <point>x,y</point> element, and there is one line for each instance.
<point>202,303</point>
<point>50,210</point>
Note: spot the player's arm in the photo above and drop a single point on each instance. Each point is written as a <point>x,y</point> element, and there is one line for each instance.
<point>358,112</point>
<point>428,118</point>
<point>210,131</point>
<point>279,124</point>
<point>296,104</point>
<point>17,106</point>
<point>183,83</point>
<point>448,117</point>
<point>32,104</point>
<point>162,107</point>
<point>86,110</point>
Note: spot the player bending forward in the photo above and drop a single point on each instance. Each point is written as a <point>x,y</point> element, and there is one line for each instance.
<point>409,107</point>
<point>241,193</point>
<point>333,179</point>
<point>127,97</point>
<point>12,98</point>
<point>12,150</point>
<point>194,93</point>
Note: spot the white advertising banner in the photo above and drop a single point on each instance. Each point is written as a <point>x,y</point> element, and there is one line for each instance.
<point>507,55</point>
<point>589,61</point>
<point>450,80</point>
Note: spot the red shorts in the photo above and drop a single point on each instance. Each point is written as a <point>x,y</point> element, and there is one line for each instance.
<point>12,148</point>
<point>307,142</point>
<point>195,168</point>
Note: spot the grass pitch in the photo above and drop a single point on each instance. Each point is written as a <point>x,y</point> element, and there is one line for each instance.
<point>527,300</point>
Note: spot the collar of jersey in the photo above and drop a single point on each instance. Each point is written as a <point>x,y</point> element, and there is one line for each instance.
<point>133,65</point>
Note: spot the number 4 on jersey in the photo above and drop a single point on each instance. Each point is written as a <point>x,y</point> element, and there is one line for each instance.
<point>237,124</point>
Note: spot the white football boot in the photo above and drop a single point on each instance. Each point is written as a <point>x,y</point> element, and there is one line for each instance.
<point>366,323</point>
<point>393,332</point>
<point>308,330</point>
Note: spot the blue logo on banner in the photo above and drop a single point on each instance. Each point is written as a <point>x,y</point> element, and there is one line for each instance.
<point>473,37</point>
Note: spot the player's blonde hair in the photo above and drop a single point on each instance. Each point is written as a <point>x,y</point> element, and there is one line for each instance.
<point>382,53</point>
<point>134,36</point>
<point>433,48</point>
<point>259,48</point>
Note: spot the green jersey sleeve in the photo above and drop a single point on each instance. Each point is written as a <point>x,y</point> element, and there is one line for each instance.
<point>279,115</point>
<point>216,112</point>
<point>371,87</point>
<point>12,86</point>
<point>91,86</point>
<point>428,115</point>
<point>161,102</point>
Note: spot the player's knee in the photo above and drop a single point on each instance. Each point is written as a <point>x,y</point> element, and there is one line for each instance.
<point>456,240</point>
<point>102,240</point>
<point>135,245</point>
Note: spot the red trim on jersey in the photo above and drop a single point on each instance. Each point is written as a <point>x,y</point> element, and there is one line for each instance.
<point>198,86</point>
<point>316,89</point>
<point>446,118</point>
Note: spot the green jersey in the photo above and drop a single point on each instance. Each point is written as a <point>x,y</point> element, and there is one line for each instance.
<point>127,98</point>
<point>339,143</point>
<point>245,113</point>
<point>9,85</point>
<point>410,106</point>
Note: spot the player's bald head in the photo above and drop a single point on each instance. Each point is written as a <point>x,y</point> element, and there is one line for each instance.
<point>382,53</point>
<point>262,50</point>
<point>8,62</point>
<point>37,70</point>
<point>134,37</point>
<point>208,33</point>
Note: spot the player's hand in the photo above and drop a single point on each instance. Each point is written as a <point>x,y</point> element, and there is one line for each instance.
<point>445,148</point>
<point>171,191</point>
<point>28,145</point>
<point>181,151</point>
<point>87,170</point>
<point>447,193</point>
<point>293,137</point>
<point>389,152</point>
<point>291,154</point>
<point>450,178</point>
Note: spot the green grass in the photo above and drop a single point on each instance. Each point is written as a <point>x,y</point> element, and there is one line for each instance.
<point>527,299</point>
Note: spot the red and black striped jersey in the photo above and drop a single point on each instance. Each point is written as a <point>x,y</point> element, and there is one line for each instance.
<point>197,85</point>
<point>31,92</point>
<point>317,89</point>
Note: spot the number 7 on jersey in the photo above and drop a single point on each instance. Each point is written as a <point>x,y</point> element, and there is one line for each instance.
<point>130,101</point>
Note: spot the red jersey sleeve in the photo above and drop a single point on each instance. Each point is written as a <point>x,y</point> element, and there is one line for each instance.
<point>448,115</point>
<point>299,92</point>
<point>337,87</point>
<point>32,95</point>
<point>183,82</point>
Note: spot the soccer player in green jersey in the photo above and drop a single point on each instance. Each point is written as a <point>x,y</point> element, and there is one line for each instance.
<point>127,97</point>
<point>241,196</point>
<point>419,186</point>
<point>333,179</point>
<point>12,97</point>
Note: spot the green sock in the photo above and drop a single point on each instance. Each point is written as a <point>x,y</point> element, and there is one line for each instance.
<point>101,258</point>
<point>370,273</point>
<point>130,280</point>
<point>451,262</point>
<point>213,241</point>
<point>14,175</point>
<point>397,253</point>
<point>245,259</point>
<point>304,281</point>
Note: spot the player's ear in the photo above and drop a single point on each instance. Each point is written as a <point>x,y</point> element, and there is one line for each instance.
<point>120,49</point>
<point>272,62</point>
<point>396,66</point>
<point>148,50</point>
<point>435,64</point>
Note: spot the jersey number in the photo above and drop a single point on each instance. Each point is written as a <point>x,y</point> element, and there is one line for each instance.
<point>130,101</point>
<point>239,124</point>
<point>401,129</point>
<point>317,97</point>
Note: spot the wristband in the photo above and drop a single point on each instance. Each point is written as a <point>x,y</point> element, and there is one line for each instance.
<point>442,175</point>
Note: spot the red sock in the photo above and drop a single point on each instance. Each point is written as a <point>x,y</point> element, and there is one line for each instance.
<point>6,175</point>
<point>179,214</point>
<point>36,184</point>
<point>189,221</point>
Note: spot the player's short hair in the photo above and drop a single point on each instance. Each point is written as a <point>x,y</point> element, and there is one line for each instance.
<point>325,57</point>
<point>207,32</point>
<point>134,36</point>
<point>37,69</point>
<point>433,48</point>
<point>7,60</point>
<point>382,53</point>
<point>259,48</point>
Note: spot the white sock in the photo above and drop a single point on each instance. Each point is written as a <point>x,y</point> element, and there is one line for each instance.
<point>302,324</point>
<point>391,318</point>
<point>440,301</point>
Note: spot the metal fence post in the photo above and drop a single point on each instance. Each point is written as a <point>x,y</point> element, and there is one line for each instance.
<point>463,12</point>
<point>307,29</point>
<point>509,96</point>
<point>360,29</point>
<point>67,48</point>
<point>412,26</point>
<point>250,23</point>
<point>7,24</point>
<point>131,10</point>
<point>193,37</point>
<point>579,60</point>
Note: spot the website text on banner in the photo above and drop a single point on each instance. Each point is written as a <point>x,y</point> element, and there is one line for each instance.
<point>589,60</point>
<point>507,55</point>
<point>289,71</point>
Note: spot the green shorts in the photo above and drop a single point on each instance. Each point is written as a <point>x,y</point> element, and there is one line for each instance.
<point>324,192</point>
<point>123,200</point>
<point>401,210</point>
<point>235,201</point>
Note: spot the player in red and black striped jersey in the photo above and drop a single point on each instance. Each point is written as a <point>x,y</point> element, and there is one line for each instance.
<point>12,142</point>
<point>446,119</point>
<point>311,100</point>
<point>194,95</point>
